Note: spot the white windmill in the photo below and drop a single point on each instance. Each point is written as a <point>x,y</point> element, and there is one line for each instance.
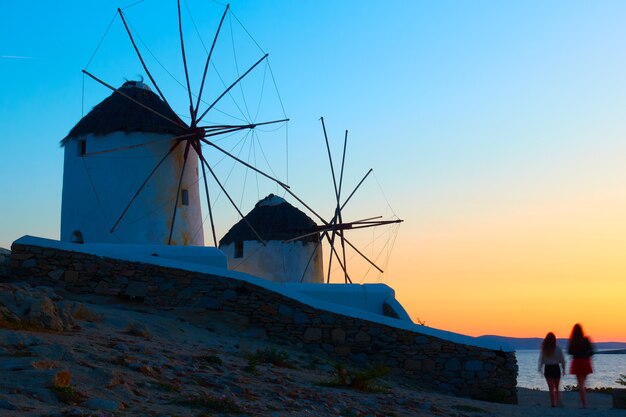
<point>131,169</point>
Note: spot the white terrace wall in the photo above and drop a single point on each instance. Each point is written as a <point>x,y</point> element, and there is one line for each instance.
<point>430,362</point>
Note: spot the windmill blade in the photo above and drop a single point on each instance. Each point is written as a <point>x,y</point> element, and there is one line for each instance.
<point>208,142</point>
<point>144,184</point>
<point>363,256</point>
<point>343,161</point>
<point>330,158</point>
<point>246,126</point>
<point>230,87</point>
<point>361,224</point>
<point>182,48</point>
<point>332,248</point>
<point>356,188</point>
<point>206,67</point>
<point>196,146</point>
<point>117,90</point>
<point>331,241</point>
<point>367,219</point>
<point>180,182</point>
<point>140,57</point>
<point>343,249</point>
<point>139,145</point>
<point>317,245</point>
<point>204,161</point>
<point>305,235</point>
<point>291,193</point>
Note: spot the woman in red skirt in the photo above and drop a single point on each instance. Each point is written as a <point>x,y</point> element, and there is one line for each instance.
<point>581,349</point>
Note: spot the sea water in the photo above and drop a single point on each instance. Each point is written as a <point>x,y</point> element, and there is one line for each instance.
<point>606,370</point>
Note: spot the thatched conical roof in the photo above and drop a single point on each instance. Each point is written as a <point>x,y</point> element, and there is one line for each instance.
<point>117,113</point>
<point>274,219</point>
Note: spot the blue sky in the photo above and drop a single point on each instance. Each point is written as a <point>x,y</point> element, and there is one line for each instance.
<point>471,113</point>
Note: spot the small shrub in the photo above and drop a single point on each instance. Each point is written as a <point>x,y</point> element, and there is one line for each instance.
<point>210,404</point>
<point>19,351</point>
<point>251,366</point>
<point>601,390</point>
<point>208,359</point>
<point>81,312</point>
<point>358,380</point>
<point>68,395</point>
<point>621,380</point>
<point>62,379</point>
<point>169,386</point>
<point>138,329</point>
<point>64,391</point>
<point>44,364</point>
<point>272,356</point>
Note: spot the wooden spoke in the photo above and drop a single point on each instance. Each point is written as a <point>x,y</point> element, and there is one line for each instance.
<point>356,188</point>
<point>330,158</point>
<point>180,182</point>
<point>206,67</point>
<point>124,148</point>
<point>198,149</point>
<point>331,241</point>
<point>306,235</point>
<point>140,57</point>
<point>343,162</point>
<point>317,245</point>
<point>225,152</point>
<point>182,48</point>
<point>231,200</point>
<point>367,219</point>
<point>363,256</point>
<point>117,90</point>
<point>144,184</point>
<point>332,247</point>
<point>246,126</point>
<point>230,87</point>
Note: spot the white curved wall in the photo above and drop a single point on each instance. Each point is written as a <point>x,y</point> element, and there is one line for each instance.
<point>365,297</point>
<point>98,186</point>
<point>277,261</point>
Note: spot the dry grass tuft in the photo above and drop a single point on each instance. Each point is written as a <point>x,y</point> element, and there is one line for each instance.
<point>62,379</point>
<point>45,364</point>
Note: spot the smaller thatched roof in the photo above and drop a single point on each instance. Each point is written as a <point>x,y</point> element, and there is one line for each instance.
<point>274,219</point>
<point>117,113</point>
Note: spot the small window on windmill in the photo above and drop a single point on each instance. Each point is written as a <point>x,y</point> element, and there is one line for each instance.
<point>82,147</point>
<point>77,237</point>
<point>184,195</point>
<point>239,249</point>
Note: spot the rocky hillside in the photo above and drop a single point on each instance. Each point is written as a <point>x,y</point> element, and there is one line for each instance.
<point>110,357</point>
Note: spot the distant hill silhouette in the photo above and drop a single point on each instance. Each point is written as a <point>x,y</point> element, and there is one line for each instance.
<point>529,343</point>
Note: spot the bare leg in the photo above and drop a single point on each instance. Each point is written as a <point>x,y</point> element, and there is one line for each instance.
<point>557,397</point>
<point>581,390</point>
<point>552,391</point>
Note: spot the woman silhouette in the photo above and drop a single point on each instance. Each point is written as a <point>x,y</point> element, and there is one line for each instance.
<point>581,349</point>
<point>550,358</point>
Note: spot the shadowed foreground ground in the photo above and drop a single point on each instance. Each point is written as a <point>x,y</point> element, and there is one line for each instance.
<point>111,358</point>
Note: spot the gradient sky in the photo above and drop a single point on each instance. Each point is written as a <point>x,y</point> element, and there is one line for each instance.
<point>496,130</point>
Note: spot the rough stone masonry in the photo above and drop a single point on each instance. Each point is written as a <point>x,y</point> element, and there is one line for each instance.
<point>430,362</point>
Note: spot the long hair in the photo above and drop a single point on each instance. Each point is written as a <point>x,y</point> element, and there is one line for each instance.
<point>549,344</point>
<point>577,337</point>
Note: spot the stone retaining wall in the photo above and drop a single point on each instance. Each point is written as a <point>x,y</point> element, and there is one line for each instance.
<point>430,362</point>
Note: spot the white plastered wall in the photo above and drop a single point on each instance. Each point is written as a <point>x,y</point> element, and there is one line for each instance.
<point>97,187</point>
<point>278,261</point>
